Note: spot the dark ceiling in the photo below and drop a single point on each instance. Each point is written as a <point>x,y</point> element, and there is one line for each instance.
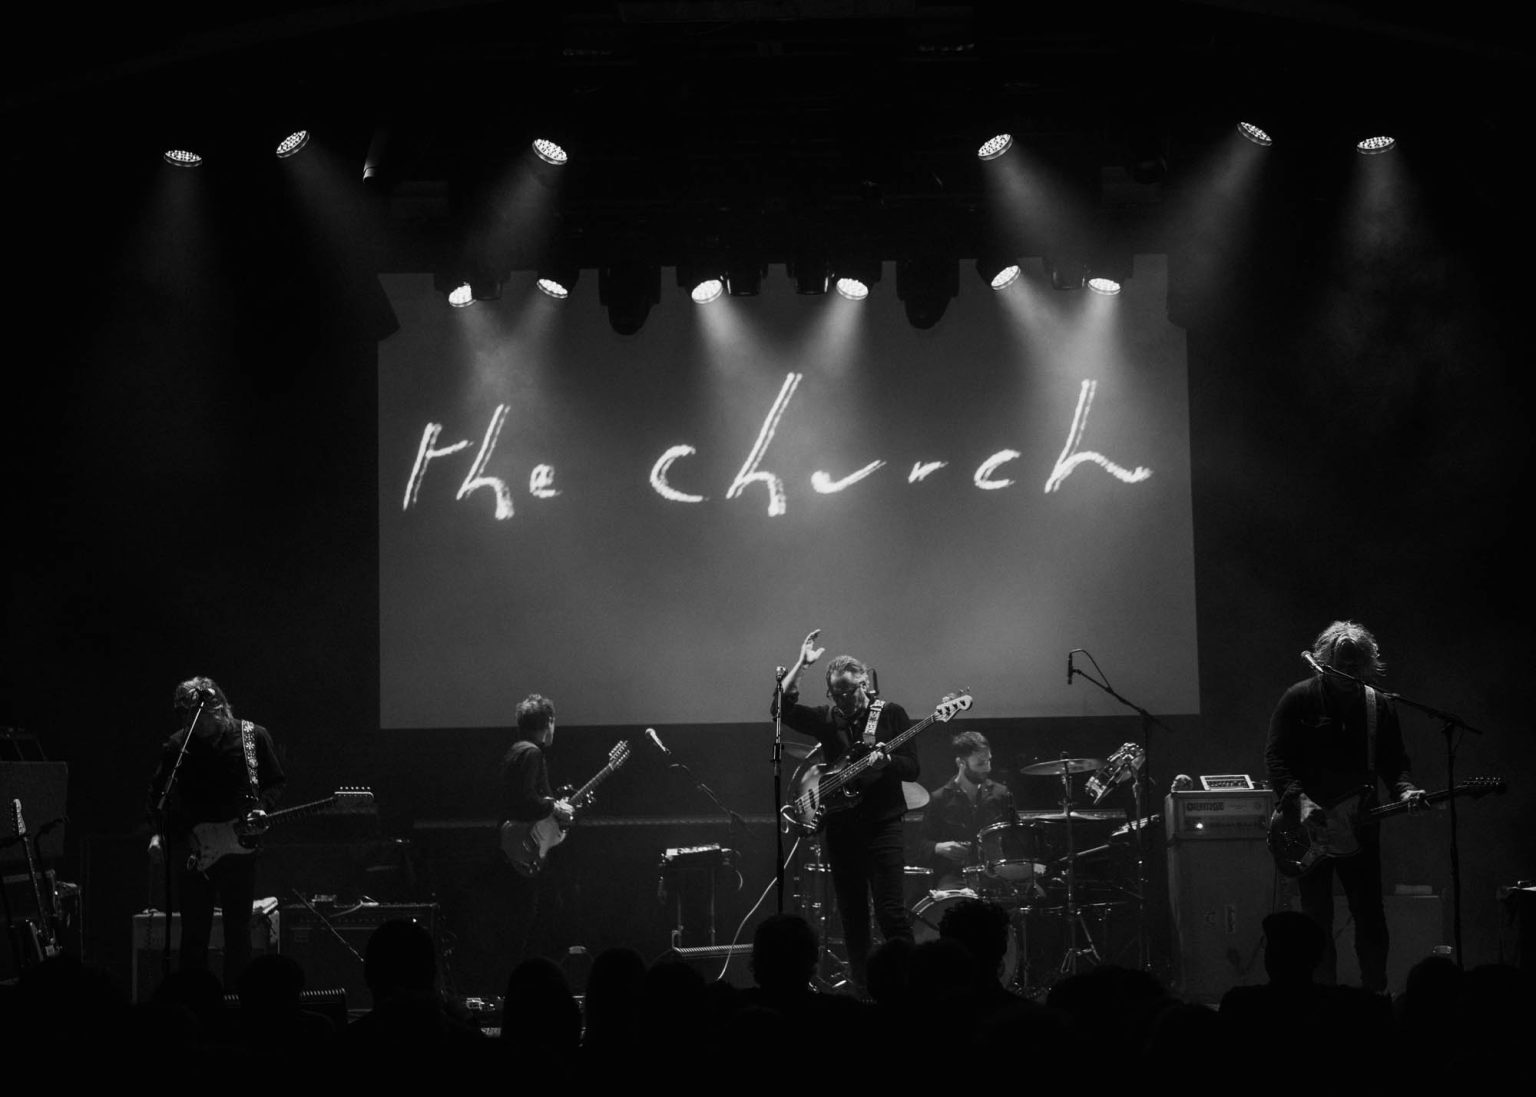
<point>684,116</point>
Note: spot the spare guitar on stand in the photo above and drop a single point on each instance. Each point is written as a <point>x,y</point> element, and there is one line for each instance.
<point>32,942</point>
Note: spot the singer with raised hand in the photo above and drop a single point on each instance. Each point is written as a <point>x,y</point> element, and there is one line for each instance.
<point>225,769</point>
<point>863,843</point>
<point>1331,735</point>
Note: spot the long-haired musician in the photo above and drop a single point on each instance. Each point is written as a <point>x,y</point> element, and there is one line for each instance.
<point>1329,737</point>
<point>230,768</point>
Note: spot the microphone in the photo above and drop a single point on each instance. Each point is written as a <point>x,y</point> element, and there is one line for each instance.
<point>1181,782</point>
<point>779,673</point>
<point>650,734</point>
<point>1313,663</point>
<point>1069,667</point>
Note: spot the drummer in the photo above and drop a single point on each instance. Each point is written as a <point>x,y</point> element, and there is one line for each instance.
<point>959,809</point>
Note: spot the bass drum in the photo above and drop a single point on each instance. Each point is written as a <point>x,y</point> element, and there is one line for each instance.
<point>929,911</point>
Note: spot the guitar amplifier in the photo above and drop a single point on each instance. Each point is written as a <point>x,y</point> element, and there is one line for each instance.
<point>1222,883</point>
<point>1228,813</point>
<point>149,945</point>
<point>329,963</point>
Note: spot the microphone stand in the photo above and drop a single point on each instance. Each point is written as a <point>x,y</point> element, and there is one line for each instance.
<point>738,828</point>
<point>1142,782</point>
<point>165,839</point>
<point>778,783</point>
<point>1449,723</point>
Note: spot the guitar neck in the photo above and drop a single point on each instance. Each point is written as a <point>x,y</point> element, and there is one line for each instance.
<point>591,786</point>
<point>851,771</point>
<point>1401,806</point>
<point>302,809</point>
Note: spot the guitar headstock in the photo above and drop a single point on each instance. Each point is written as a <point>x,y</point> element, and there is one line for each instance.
<point>952,704</point>
<point>618,754</point>
<point>354,799</point>
<point>1481,786</point>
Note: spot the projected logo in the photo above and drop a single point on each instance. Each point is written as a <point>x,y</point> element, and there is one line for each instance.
<point>668,478</point>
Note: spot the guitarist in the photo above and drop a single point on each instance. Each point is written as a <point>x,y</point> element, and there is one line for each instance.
<point>1330,737</point>
<point>526,798</point>
<point>863,843</point>
<point>218,780</point>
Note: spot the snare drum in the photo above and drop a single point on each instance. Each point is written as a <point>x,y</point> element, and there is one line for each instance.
<point>930,910</point>
<point>1015,851</point>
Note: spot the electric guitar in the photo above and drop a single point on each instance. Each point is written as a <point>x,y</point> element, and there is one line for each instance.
<point>38,938</point>
<point>526,846</point>
<point>837,787</point>
<point>211,841</point>
<point>1298,847</point>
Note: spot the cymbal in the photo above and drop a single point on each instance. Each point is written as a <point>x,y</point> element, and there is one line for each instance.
<point>915,793</point>
<point>1056,768</point>
<point>800,751</point>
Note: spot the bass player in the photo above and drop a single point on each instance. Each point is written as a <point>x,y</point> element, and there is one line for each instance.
<point>863,842</point>
<point>229,770</point>
<point>1330,737</point>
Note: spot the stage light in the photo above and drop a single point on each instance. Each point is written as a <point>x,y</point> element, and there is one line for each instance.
<point>993,147</point>
<point>1107,286</point>
<point>925,285</point>
<point>557,273</point>
<point>293,144</point>
<point>1067,273</point>
<point>811,271</point>
<point>744,277</point>
<point>549,152</point>
<point>182,158</point>
<point>1255,134</point>
<point>997,271</point>
<point>1375,146</point>
<point>628,289</point>
<point>461,296</point>
<point>702,275</point>
<point>855,274</point>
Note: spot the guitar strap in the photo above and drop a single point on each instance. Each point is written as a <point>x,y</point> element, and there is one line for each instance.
<point>871,722</point>
<point>1370,731</point>
<point>248,743</point>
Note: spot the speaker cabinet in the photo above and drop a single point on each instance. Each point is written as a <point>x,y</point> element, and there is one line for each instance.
<point>329,962</point>
<point>1220,891</point>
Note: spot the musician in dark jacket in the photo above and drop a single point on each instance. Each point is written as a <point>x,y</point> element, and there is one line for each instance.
<point>864,842</point>
<point>526,797</point>
<point>230,771</point>
<point>958,811</point>
<point>1329,737</point>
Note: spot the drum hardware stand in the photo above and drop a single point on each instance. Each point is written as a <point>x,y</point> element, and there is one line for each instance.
<point>1142,782</point>
<point>779,673</point>
<point>1075,923</point>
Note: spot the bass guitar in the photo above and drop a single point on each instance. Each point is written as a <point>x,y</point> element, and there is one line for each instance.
<point>211,841</point>
<point>1298,847</point>
<point>837,787</point>
<point>526,846</point>
<point>39,939</point>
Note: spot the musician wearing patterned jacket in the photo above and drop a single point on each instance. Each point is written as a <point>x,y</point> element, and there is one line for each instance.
<point>864,842</point>
<point>1328,737</point>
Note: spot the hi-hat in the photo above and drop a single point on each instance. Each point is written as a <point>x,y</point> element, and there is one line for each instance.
<point>1060,766</point>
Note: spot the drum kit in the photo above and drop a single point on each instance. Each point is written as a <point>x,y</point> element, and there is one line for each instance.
<point>1057,873</point>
